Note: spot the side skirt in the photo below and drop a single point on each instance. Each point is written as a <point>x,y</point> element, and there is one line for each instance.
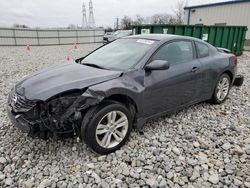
<point>141,121</point>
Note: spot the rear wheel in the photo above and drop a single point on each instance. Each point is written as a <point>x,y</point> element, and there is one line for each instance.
<point>222,89</point>
<point>107,127</point>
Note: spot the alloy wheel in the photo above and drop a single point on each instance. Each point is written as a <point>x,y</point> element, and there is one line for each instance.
<point>222,88</point>
<point>112,129</point>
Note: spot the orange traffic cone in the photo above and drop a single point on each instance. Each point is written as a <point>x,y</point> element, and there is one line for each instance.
<point>75,46</point>
<point>67,58</point>
<point>28,48</point>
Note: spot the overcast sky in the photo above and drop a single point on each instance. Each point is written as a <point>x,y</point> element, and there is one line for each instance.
<point>52,13</point>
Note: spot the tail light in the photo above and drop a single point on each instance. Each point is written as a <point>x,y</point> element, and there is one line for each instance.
<point>234,59</point>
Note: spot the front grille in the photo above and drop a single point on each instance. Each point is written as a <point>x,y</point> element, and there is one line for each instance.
<point>20,103</point>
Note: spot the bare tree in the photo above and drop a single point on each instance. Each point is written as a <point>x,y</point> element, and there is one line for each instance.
<point>160,18</point>
<point>179,12</point>
<point>139,20</point>
<point>126,23</point>
<point>172,20</point>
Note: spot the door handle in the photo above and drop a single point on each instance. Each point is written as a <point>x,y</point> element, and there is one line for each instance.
<point>194,69</point>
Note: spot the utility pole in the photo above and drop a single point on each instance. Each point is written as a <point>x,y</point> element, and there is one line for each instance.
<point>117,23</point>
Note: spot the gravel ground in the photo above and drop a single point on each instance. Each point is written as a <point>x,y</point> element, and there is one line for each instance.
<point>202,146</point>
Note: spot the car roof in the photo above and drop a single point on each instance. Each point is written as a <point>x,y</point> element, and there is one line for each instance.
<point>161,37</point>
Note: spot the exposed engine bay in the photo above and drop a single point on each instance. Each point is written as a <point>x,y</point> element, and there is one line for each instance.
<point>60,115</point>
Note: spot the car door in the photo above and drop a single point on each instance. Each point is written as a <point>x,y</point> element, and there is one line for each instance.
<point>209,69</point>
<point>166,90</point>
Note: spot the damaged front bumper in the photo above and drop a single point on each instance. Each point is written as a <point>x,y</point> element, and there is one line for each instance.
<point>19,121</point>
<point>30,127</point>
<point>55,117</point>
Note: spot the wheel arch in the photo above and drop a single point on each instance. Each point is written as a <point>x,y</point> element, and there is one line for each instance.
<point>126,100</point>
<point>230,74</point>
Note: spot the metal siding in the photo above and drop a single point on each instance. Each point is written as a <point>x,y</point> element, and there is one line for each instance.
<point>7,41</point>
<point>48,41</point>
<point>231,14</point>
<point>99,32</point>
<point>25,33</point>
<point>81,33</point>
<point>85,33</point>
<point>67,33</point>
<point>86,40</point>
<point>83,40</point>
<point>186,16</point>
<point>68,40</point>
<point>13,36</point>
<point>98,39</point>
<point>25,41</point>
<point>47,33</point>
<point>6,33</point>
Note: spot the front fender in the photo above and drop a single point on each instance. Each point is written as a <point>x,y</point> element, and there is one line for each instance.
<point>125,85</point>
<point>130,84</point>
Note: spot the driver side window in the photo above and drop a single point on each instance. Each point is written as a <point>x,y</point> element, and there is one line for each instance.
<point>175,52</point>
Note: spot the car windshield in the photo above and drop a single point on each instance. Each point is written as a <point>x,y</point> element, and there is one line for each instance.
<point>121,54</point>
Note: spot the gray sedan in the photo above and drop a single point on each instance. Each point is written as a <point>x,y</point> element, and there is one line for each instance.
<point>103,95</point>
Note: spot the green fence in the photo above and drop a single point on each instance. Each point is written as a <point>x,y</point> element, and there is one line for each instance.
<point>230,37</point>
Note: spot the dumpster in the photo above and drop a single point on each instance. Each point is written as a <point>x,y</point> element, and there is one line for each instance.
<point>230,37</point>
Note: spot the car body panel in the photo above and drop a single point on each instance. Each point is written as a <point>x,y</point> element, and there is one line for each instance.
<point>153,92</point>
<point>61,78</point>
<point>176,86</point>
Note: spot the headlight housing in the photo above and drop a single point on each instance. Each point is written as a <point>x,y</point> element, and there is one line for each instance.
<point>59,104</point>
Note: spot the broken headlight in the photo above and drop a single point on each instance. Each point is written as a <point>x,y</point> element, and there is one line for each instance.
<point>54,110</point>
<point>60,104</point>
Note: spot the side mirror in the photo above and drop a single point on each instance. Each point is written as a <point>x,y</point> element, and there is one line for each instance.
<point>157,65</point>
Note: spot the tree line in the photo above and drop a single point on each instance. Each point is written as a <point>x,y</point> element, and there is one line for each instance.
<point>160,18</point>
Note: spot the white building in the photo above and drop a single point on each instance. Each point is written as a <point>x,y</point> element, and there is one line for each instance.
<point>235,12</point>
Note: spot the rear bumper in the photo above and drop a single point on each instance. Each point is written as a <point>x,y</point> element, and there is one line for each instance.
<point>238,81</point>
<point>19,121</point>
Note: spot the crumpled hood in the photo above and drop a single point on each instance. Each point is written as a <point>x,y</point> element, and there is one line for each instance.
<point>60,78</point>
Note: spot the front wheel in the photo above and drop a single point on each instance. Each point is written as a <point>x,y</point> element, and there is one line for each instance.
<point>222,89</point>
<point>107,127</point>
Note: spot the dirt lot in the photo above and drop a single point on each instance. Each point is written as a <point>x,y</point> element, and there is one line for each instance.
<point>202,146</point>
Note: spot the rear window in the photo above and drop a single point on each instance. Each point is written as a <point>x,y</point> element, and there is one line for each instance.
<point>202,49</point>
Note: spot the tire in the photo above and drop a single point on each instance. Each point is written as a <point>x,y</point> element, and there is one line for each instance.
<point>223,86</point>
<point>101,121</point>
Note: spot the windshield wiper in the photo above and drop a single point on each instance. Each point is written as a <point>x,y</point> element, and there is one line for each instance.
<point>94,65</point>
